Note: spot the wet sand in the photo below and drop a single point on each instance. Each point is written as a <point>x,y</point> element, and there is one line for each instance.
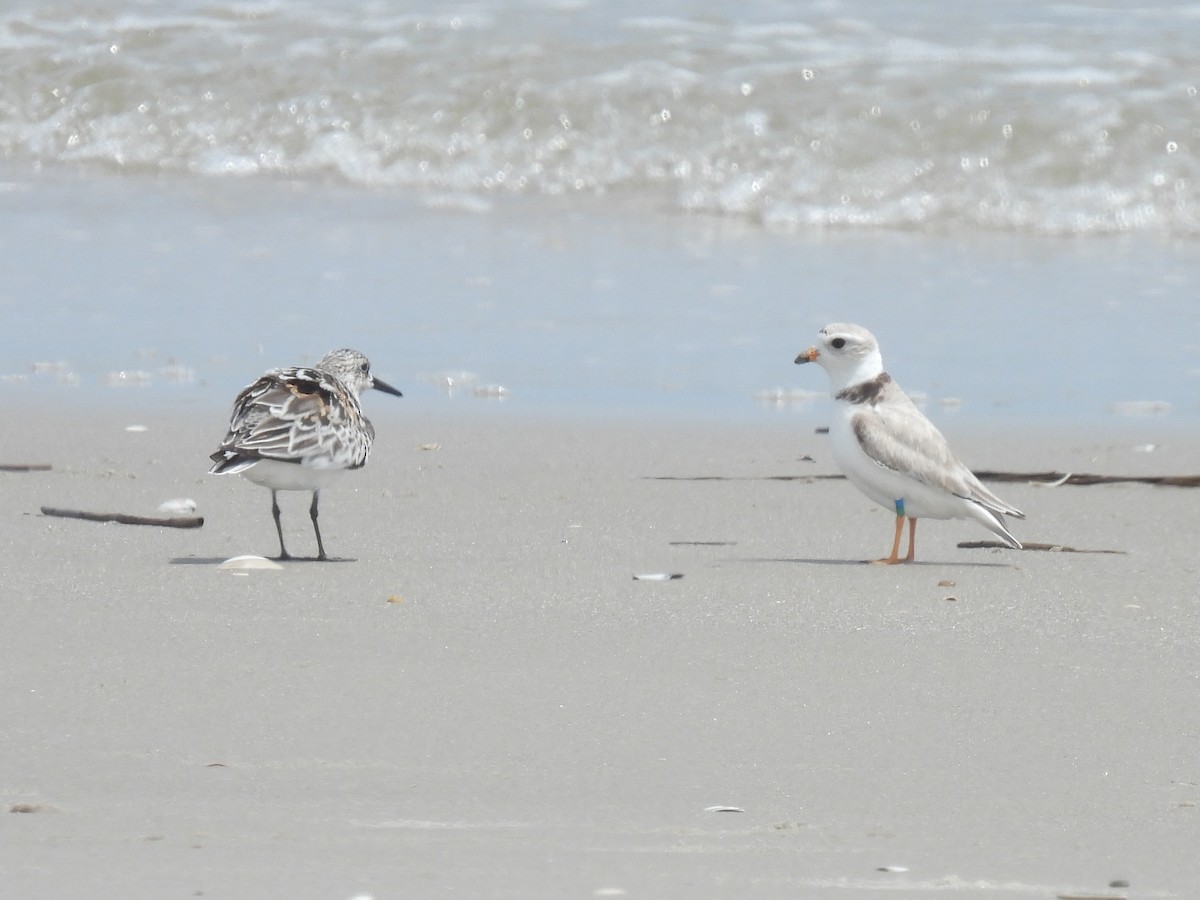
<point>485,703</point>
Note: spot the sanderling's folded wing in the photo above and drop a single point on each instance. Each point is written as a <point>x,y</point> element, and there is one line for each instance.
<point>295,415</point>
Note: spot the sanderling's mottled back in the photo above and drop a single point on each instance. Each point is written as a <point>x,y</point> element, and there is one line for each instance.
<point>296,429</point>
<point>888,449</point>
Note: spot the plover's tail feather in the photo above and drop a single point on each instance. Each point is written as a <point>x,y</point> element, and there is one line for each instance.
<point>993,522</point>
<point>988,500</point>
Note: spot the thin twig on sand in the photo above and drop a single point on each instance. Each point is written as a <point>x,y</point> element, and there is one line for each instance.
<point>1028,545</point>
<point>125,519</point>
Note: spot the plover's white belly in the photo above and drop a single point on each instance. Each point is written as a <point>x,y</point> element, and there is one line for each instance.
<point>286,476</point>
<point>885,486</point>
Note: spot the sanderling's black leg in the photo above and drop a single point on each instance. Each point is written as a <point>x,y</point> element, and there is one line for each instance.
<point>312,514</point>
<point>283,554</point>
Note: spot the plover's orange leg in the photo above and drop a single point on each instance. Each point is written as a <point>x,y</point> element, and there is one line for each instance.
<point>895,557</point>
<point>912,538</point>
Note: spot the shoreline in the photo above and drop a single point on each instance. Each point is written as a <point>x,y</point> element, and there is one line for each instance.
<point>426,401</point>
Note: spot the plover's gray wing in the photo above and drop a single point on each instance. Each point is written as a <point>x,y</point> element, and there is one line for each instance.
<point>300,415</point>
<point>896,435</point>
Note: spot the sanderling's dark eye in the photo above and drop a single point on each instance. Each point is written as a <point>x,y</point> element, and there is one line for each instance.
<point>365,368</point>
<point>837,343</point>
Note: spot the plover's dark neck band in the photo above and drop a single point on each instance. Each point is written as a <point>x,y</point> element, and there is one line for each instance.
<point>868,391</point>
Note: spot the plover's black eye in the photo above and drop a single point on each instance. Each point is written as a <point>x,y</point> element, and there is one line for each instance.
<point>837,343</point>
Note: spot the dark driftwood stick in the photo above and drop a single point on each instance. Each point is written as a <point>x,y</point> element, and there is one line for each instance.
<point>1028,545</point>
<point>24,467</point>
<point>1077,478</point>
<point>1082,478</point>
<point>122,518</point>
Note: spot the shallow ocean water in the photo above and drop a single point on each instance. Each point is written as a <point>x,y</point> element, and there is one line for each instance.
<point>190,294</point>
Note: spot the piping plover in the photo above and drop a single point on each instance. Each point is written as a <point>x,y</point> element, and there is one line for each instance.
<point>888,449</point>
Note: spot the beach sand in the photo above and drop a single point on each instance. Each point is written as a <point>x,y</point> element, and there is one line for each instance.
<point>485,703</point>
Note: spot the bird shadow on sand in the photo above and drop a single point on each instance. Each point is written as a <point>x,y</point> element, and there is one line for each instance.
<point>920,563</point>
<point>217,560</point>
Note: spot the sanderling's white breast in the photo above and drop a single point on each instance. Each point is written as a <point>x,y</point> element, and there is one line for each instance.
<point>888,449</point>
<point>298,428</point>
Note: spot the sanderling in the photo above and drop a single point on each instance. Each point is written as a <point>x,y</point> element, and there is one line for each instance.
<point>295,429</point>
<point>889,450</point>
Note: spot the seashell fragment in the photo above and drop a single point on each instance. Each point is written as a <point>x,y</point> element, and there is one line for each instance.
<point>1059,483</point>
<point>658,576</point>
<point>178,506</point>
<point>249,562</point>
<point>724,809</point>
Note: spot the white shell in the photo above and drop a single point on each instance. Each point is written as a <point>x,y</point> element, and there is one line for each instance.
<point>1059,483</point>
<point>250,562</point>
<point>178,506</point>
<point>658,576</point>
